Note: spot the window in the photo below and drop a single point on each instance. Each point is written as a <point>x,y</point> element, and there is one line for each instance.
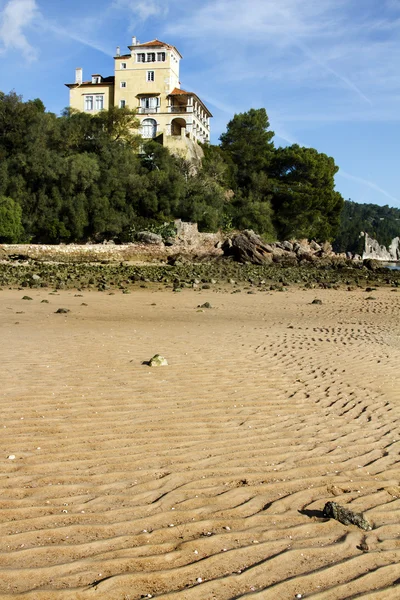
<point>141,57</point>
<point>123,65</point>
<point>122,103</point>
<point>123,84</point>
<point>96,78</point>
<point>151,57</point>
<point>88,102</point>
<point>99,102</point>
<point>150,104</point>
<point>150,76</point>
<point>161,56</point>
<point>149,128</point>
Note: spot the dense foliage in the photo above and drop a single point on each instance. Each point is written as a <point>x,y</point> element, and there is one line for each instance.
<point>78,177</point>
<point>380,222</point>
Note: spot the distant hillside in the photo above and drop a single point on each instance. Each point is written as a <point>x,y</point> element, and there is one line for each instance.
<point>380,222</point>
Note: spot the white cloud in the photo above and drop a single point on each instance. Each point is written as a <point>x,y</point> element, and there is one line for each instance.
<point>16,17</point>
<point>324,42</point>
<point>141,10</point>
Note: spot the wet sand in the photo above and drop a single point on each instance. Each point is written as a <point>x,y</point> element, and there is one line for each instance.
<point>205,479</point>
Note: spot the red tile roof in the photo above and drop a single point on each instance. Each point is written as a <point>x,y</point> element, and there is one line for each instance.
<point>179,92</point>
<point>155,44</point>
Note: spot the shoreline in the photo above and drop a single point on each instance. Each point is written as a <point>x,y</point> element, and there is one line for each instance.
<point>183,272</point>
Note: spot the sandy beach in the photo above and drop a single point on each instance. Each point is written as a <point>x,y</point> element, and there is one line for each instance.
<point>204,479</point>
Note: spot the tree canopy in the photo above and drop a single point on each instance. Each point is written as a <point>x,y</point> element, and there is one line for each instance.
<point>380,222</point>
<point>78,177</point>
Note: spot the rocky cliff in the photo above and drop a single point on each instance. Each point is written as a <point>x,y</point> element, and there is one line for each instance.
<point>372,249</point>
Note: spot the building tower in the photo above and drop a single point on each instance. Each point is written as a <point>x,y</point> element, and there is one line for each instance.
<point>147,79</point>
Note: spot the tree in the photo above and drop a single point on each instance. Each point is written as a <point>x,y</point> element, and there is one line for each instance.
<point>380,222</point>
<point>11,230</point>
<point>120,124</point>
<point>304,200</point>
<point>247,143</point>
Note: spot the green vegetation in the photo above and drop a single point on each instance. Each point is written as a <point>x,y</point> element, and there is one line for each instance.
<point>10,221</point>
<point>79,177</point>
<point>380,222</point>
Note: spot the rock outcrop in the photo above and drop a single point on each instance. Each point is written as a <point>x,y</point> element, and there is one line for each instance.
<point>247,246</point>
<point>372,249</point>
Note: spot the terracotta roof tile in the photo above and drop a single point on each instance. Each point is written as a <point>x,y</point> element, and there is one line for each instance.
<point>155,44</point>
<point>179,92</point>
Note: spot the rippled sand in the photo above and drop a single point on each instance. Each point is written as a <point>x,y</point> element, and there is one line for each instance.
<point>205,479</point>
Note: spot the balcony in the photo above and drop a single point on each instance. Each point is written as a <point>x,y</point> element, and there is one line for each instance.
<point>142,110</point>
<point>180,108</point>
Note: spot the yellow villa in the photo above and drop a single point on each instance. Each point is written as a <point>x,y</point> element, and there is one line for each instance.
<point>147,79</point>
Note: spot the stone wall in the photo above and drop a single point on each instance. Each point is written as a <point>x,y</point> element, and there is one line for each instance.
<point>189,241</point>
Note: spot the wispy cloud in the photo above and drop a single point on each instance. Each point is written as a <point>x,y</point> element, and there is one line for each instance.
<point>370,184</point>
<point>345,80</point>
<point>75,34</point>
<point>16,17</point>
<point>141,10</point>
<point>325,44</point>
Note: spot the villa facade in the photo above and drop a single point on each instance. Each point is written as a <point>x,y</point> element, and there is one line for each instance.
<point>147,79</point>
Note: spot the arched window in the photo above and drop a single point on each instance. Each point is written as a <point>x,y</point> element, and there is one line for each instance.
<point>149,128</point>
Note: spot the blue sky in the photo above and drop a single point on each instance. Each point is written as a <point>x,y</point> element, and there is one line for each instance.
<point>327,71</point>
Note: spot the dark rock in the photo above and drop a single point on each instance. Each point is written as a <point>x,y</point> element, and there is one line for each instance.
<point>316,301</point>
<point>287,246</point>
<point>177,260</point>
<point>26,298</point>
<point>288,259</point>
<point>345,516</point>
<point>247,247</point>
<point>62,311</point>
<point>305,255</point>
<point>205,305</point>
<point>371,264</point>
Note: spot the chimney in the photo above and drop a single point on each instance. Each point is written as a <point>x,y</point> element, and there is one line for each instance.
<point>78,75</point>
<point>134,41</point>
<point>118,52</point>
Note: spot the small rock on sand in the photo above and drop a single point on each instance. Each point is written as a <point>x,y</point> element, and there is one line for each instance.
<point>158,361</point>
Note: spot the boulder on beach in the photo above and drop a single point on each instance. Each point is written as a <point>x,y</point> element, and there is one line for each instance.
<point>247,247</point>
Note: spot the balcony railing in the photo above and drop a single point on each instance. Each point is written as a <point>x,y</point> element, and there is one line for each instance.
<point>142,110</point>
<point>180,109</point>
